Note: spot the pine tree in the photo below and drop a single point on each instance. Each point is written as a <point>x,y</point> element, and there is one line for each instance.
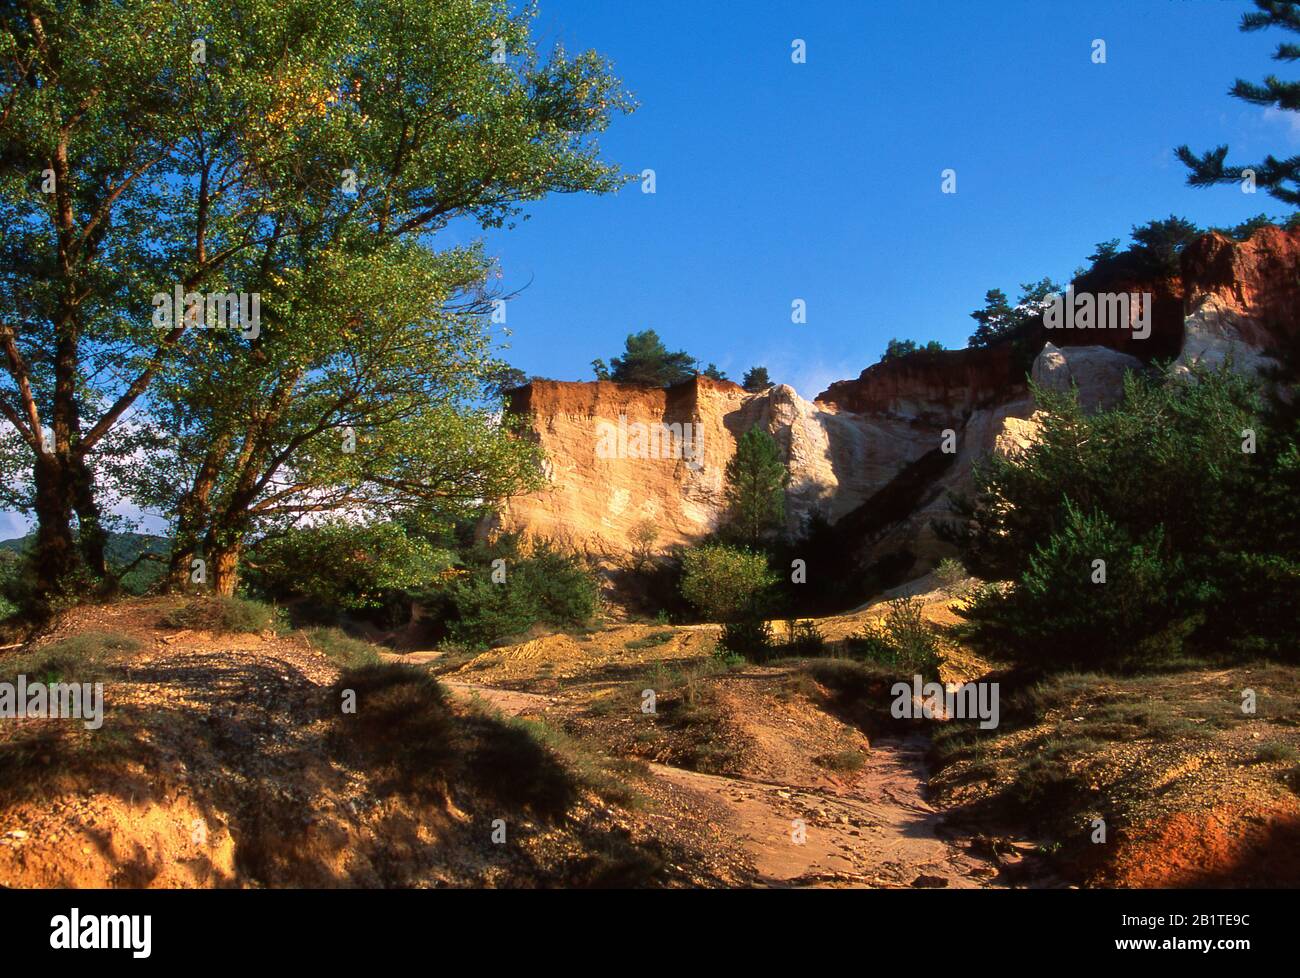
<point>646,360</point>
<point>756,380</point>
<point>1281,178</point>
<point>999,320</point>
<point>755,490</point>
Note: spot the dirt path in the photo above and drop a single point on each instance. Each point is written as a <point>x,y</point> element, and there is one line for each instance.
<point>874,831</point>
<point>882,834</point>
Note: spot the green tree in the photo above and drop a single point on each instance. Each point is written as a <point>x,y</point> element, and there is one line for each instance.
<point>646,361</point>
<point>727,584</point>
<point>1280,177</point>
<point>1159,244</point>
<point>756,380</point>
<point>996,319</point>
<point>756,478</point>
<point>385,414</point>
<point>1105,251</point>
<point>896,349</point>
<point>1000,321</point>
<point>241,146</point>
<point>713,371</point>
<point>1192,528</point>
<point>492,601</point>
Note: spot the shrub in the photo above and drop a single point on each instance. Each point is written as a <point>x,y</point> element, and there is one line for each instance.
<point>345,565</point>
<point>903,640</point>
<point>78,658</point>
<point>342,649</point>
<point>950,573</point>
<point>541,586</point>
<point>1129,616</point>
<point>803,638</point>
<point>749,638</point>
<point>642,539</point>
<point>1198,535</point>
<point>726,583</point>
<point>224,615</point>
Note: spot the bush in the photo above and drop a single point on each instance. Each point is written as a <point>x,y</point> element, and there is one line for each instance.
<point>342,649</point>
<point>77,658</point>
<point>1198,535</point>
<point>223,615</point>
<point>903,640</point>
<point>542,586</point>
<point>345,565</point>
<point>749,638</point>
<point>949,573</point>
<point>803,638</point>
<point>1128,617</point>
<point>726,583</point>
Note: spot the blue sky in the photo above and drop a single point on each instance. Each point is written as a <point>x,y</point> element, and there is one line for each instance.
<point>821,181</point>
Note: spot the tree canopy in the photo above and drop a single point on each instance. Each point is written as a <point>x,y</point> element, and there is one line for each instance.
<point>648,362</point>
<point>283,149</point>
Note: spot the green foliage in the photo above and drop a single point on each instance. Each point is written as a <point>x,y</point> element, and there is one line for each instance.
<point>646,361</point>
<point>1160,243</point>
<point>341,649</point>
<point>234,172</point>
<point>1281,178</point>
<point>897,349</point>
<point>126,554</point>
<point>339,564</point>
<point>902,641</point>
<point>999,321</point>
<point>756,478</point>
<point>541,586</point>
<point>756,380</point>
<point>1195,532</point>
<point>950,572</point>
<point>10,571</point>
<point>1106,250</point>
<point>714,372</point>
<point>803,638</point>
<point>224,616</point>
<point>1139,613</point>
<point>78,658</point>
<point>1154,253</point>
<point>749,638</point>
<point>726,583</point>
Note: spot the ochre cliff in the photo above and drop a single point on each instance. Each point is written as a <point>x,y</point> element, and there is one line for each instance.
<point>868,453</point>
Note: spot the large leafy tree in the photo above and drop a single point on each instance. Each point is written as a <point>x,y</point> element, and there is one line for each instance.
<point>254,146</point>
<point>370,397</point>
<point>1280,177</point>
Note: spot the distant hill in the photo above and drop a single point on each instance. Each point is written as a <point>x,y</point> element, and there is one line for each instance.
<point>120,550</point>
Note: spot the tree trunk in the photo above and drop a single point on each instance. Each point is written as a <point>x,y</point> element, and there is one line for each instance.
<point>56,553</point>
<point>192,513</point>
<point>224,567</point>
<point>91,537</point>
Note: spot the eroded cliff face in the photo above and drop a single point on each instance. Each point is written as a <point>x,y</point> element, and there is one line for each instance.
<point>869,453</point>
